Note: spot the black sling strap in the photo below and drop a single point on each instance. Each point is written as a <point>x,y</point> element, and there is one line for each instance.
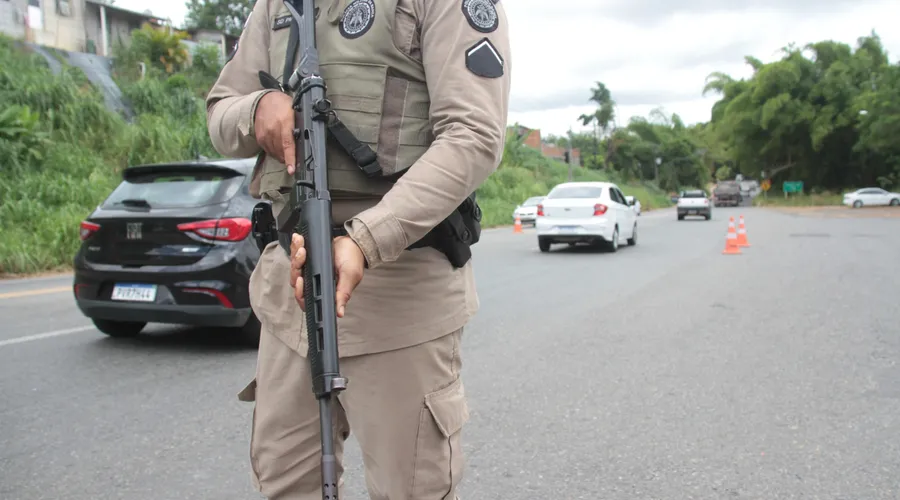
<point>361,153</point>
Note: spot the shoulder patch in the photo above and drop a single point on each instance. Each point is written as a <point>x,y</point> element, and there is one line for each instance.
<point>483,59</point>
<point>357,18</point>
<point>281,22</point>
<point>481,14</point>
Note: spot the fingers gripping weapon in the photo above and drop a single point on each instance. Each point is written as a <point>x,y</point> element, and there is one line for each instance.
<point>310,215</point>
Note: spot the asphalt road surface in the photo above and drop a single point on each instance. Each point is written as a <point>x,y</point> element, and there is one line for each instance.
<point>663,371</point>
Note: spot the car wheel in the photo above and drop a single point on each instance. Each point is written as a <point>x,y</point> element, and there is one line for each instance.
<point>119,328</point>
<point>249,333</point>
<point>895,202</point>
<point>633,240</point>
<point>680,217</point>
<point>544,244</point>
<point>708,217</point>
<point>614,243</point>
<point>857,204</point>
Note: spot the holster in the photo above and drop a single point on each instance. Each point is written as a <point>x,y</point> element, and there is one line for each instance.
<point>456,234</point>
<point>264,228</point>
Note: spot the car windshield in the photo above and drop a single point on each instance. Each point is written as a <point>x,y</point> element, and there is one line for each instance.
<point>694,194</point>
<point>530,202</point>
<point>576,192</point>
<point>174,189</point>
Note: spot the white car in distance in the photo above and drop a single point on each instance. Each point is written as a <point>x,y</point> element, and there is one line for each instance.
<point>872,197</point>
<point>585,212</point>
<point>527,211</point>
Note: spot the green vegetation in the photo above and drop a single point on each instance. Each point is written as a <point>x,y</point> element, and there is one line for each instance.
<point>827,115</point>
<point>63,150</point>
<point>824,114</point>
<point>802,200</point>
<point>525,172</point>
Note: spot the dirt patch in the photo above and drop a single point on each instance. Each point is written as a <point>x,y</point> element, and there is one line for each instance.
<point>841,212</point>
<point>43,274</point>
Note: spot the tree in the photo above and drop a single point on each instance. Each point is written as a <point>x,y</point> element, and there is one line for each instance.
<point>602,119</point>
<point>825,114</point>
<point>227,16</point>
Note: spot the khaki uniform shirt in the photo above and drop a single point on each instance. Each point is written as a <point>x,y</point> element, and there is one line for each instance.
<point>406,296</point>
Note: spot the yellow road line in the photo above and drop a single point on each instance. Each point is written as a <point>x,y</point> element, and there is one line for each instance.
<point>42,291</point>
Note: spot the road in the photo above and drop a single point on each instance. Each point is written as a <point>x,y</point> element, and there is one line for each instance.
<point>666,370</point>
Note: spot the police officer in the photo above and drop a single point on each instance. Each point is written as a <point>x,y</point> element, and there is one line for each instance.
<point>424,85</point>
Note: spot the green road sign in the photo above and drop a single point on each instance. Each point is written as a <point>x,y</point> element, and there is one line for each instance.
<point>792,187</point>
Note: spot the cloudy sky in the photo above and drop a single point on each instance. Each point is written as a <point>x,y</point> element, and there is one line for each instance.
<point>649,53</point>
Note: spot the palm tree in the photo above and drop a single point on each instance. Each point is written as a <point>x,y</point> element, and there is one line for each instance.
<point>603,117</point>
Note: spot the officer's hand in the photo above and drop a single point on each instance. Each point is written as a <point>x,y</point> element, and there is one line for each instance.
<point>274,128</point>
<point>298,258</point>
<point>349,265</point>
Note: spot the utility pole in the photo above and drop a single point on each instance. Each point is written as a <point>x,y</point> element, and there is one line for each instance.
<point>569,154</point>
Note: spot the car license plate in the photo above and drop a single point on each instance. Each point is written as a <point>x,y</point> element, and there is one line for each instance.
<point>692,212</point>
<point>568,229</point>
<point>134,292</point>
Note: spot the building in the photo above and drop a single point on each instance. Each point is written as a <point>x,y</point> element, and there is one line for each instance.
<point>87,26</point>
<point>532,139</point>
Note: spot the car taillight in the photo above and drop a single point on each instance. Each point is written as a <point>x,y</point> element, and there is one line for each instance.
<point>87,229</point>
<point>234,229</point>
<point>599,209</point>
<point>221,297</point>
<point>540,210</point>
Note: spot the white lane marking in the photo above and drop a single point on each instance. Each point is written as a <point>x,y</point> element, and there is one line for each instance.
<point>39,336</point>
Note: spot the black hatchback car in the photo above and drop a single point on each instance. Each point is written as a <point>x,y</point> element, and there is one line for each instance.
<point>171,244</point>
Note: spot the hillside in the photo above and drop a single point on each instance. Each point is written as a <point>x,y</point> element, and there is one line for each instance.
<point>524,172</point>
<point>64,151</point>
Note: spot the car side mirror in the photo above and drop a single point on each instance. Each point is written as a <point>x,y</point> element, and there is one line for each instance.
<point>630,203</point>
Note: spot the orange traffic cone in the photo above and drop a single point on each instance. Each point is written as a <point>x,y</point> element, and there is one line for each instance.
<point>517,227</point>
<point>731,246</point>
<point>742,234</point>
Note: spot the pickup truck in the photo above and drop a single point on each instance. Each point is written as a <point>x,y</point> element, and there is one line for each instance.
<point>728,193</point>
<point>694,202</point>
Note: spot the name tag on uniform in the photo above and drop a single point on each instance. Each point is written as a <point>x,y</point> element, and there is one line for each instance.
<point>281,22</point>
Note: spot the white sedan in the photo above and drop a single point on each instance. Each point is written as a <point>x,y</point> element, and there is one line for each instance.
<point>871,197</point>
<point>585,212</point>
<point>527,211</point>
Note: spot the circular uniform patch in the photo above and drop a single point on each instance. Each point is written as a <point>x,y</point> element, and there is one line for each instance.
<point>481,14</point>
<point>357,18</point>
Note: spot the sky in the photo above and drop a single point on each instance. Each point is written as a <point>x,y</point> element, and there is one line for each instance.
<point>649,53</point>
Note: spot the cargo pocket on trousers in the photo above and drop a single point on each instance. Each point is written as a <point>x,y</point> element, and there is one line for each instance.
<point>439,455</point>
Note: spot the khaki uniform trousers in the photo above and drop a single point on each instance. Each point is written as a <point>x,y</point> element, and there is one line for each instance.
<point>406,408</point>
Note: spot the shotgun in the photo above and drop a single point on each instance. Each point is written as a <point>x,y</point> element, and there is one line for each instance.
<point>309,214</point>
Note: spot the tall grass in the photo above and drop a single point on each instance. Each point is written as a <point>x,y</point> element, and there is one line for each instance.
<point>778,199</point>
<point>63,151</point>
<point>525,172</point>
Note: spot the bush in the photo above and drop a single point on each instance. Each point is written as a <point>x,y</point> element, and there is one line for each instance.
<point>525,172</point>
<point>64,149</point>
